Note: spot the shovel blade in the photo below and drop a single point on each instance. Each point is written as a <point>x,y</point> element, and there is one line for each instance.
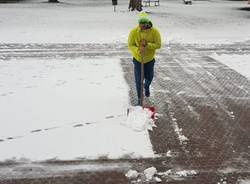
<point>151,109</point>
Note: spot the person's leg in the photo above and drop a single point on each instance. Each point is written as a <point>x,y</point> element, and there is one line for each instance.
<point>148,75</point>
<point>137,74</point>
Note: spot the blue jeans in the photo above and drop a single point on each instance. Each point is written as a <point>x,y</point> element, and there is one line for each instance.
<point>148,75</point>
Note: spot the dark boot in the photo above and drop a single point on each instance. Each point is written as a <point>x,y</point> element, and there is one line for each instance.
<point>147,92</point>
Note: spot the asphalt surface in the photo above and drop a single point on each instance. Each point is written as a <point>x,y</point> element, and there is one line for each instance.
<point>203,120</point>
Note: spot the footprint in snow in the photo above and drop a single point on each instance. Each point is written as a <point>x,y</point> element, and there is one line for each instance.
<point>89,123</point>
<point>34,131</point>
<point>82,124</point>
<point>78,125</point>
<point>52,128</point>
<point>109,117</point>
<point>12,138</point>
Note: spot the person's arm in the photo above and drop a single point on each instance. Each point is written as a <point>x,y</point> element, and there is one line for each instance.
<point>131,42</point>
<point>157,41</point>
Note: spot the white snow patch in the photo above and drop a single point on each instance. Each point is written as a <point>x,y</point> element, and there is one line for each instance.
<point>150,172</point>
<point>182,138</point>
<point>169,153</point>
<point>166,173</point>
<point>239,63</point>
<point>36,170</point>
<point>244,181</point>
<point>186,173</point>
<point>228,170</point>
<point>181,92</point>
<point>183,173</point>
<point>203,22</point>
<point>157,179</point>
<point>66,109</point>
<point>132,174</point>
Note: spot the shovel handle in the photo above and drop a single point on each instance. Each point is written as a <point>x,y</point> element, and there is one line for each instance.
<point>142,80</point>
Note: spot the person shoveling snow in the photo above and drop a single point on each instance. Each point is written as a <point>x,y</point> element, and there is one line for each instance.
<point>143,40</point>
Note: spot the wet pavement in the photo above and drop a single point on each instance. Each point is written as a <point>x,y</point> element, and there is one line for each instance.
<point>203,110</point>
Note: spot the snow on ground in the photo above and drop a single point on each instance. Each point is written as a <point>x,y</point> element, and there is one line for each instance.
<point>239,63</point>
<point>66,109</point>
<point>76,22</point>
<point>77,108</point>
<point>243,181</point>
<point>177,174</point>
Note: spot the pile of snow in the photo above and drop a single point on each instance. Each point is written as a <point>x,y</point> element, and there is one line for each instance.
<point>132,174</point>
<point>239,63</point>
<point>139,119</point>
<point>183,173</point>
<point>149,173</point>
<point>166,173</point>
<point>186,173</point>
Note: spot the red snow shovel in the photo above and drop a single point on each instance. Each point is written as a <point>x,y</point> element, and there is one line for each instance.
<point>149,107</point>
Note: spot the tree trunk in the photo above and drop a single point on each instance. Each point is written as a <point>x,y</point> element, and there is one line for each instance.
<point>135,4</point>
<point>131,5</point>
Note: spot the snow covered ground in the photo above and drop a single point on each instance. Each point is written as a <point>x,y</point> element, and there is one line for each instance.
<point>247,181</point>
<point>82,22</point>
<point>76,108</point>
<point>66,109</point>
<point>240,63</point>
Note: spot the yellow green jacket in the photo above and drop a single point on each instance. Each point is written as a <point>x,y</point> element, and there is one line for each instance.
<point>153,38</point>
